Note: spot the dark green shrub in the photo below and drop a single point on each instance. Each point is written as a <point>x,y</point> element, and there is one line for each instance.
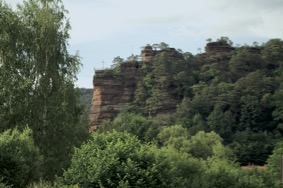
<point>19,158</point>
<point>117,159</point>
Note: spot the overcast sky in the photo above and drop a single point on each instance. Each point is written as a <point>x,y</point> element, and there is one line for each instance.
<point>104,29</point>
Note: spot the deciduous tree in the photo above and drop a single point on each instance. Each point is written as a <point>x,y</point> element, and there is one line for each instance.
<point>37,76</point>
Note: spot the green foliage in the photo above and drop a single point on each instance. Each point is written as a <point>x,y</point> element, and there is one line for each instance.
<point>204,145</point>
<point>244,62</point>
<point>41,184</point>
<point>237,92</point>
<point>184,169</point>
<point>85,100</point>
<point>58,183</point>
<point>145,129</point>
<point>185,113</point>
<point>257,178</point>
<point>37,76</point>
<point>117,61</point>
<point>237,95</point>
<point>219,174</point>
<point>251,147</point>
<point>174,136</point>
<point>274,162</point>
<point>222,123</point>
<point>132,58</point>
<point>165,73</point>
<point>225,40</point>
<point>20,159</point>
<point>116,159</point>
<point>221,98</point>
<point>277,114</point>
<point>161,46</point>
<point>13,86</point>
<point>3,185</point>
<point>273,54</point>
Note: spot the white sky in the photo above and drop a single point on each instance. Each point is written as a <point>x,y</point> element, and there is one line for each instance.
<point>104,29</point>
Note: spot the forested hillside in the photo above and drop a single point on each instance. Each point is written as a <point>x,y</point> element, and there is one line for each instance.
<point>85,98</point>
<point>220,105</point>
<point>192,121</point>
<point>233,91</point>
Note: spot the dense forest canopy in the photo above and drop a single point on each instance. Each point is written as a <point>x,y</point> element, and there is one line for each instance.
<point>234,91</point>
<point>227,112</point>
<point>227,103</point>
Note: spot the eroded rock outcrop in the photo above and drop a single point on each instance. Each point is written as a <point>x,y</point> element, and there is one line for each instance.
<point>148,54</point>
<point>113,91</point>
<point>218,47</point>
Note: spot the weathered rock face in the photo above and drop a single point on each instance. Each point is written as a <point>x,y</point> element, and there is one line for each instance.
<point>112,92</point>
<point>148,54</point>
<point>218,47</point>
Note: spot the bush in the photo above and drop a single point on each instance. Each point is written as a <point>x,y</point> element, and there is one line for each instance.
<point>219,174</point>
<point>274,163</point>
<point>58,183</point>
<point>19,158</point>
<point>2,185</point>
<point>174,136</point>
<point>117,159</point>
<point>135,124</point>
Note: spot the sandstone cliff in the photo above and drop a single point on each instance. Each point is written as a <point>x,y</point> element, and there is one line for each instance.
<point>115,89</point>
<point>218,47</point>
<point>112,92</point>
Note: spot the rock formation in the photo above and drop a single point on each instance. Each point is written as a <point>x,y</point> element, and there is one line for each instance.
<point>115,89</point>
<point>112,92</point>
<point>148,54</point>
<point>218,47</point>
